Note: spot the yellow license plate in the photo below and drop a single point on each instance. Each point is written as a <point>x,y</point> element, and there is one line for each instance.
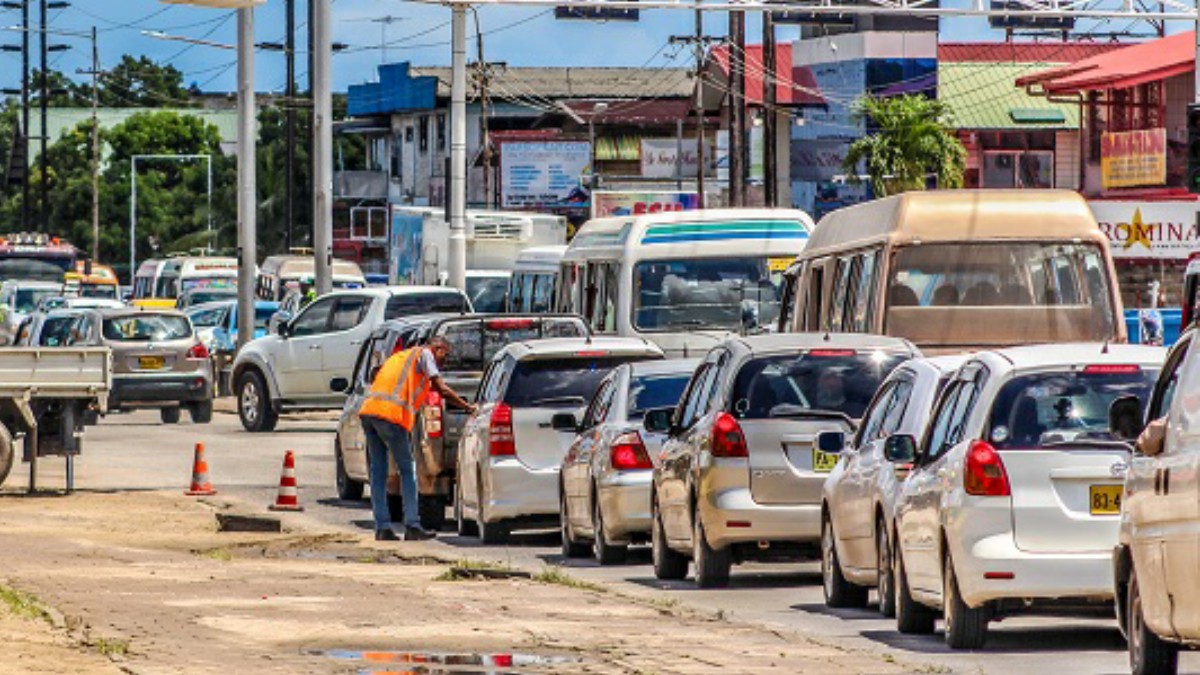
<point>779,264</point>
<point>823,462</point>
<point>1105,500</point>
<point>151,362</point>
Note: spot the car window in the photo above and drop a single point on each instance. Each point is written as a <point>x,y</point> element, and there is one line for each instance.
<point>895,413</point>
<point>873,418</point>
<point>601,403</point>
<point>691,397</point>
<point>493,383</point>
<point>649,392</point>
<point>1164,390</point>
<point>434,302</point>
<point>953,419</point>
<point>146,327</point>
<point>207,318</point>
<point>349,312</point>
<point>829,380</point>
<point>57,331</point>
<point>708,394</point>
<point>314,319</point>
<point>558,382</point>
<point>473,343</point>
<point>938,430</point>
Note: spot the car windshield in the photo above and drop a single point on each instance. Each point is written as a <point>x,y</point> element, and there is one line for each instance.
<point>831,381</point>
<point>563,382</point>
<point>408,304</point>
<point>211,282</point>
<point>474,343</point>
<point>146,327</point>
<point>106,291</point>
<point>214,295</point>
<point>1065,408</point>
<point>648,392</point>
<point>487,293</point>
<point>740,294</point>
<point>28,298</point>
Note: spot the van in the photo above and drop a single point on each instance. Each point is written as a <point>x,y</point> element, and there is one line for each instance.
<point>959,270</point>
<point>184,273</point>
<point>144,283</point>
<point>277,270</point>
<point>531,287</point>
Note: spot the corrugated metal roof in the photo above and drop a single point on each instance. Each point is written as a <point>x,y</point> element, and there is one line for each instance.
<point>552,83</point>
<point>1023,52</point>
<point>983,95</point>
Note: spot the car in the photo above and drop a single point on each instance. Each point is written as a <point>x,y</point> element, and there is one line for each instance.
<point>1158,544</point>
<point>292,368</point>
<point>474,340</point>
<point>860,492</point>
<point>206,317</point>
<point>1013,502</point>
<point>224,338</point>
<point>61,328</point>
<point>509,455</point>
<point>158,362</point>
<point>750,444</point>
<point>19,299</point>
<point>606,474</point>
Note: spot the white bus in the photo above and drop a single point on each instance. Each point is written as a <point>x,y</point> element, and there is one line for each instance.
<point>685,279</point>
<point>185,273</point>
<point>531,287</point>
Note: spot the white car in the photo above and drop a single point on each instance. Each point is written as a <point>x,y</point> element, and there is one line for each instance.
<point>510,452</point>
<point>861,491</point>
<point>1013,502</point>
<point>19,299</point>
<point>294,368</point>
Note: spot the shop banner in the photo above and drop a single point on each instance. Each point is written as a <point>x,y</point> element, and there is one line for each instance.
<point>1158,230</point>
<point>661,155</point>
<point>636,203</point>
<point>545,174</point>
<point>1133,158</point>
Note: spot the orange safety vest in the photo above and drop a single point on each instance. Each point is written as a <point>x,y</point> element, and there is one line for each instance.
<point>398,390</point>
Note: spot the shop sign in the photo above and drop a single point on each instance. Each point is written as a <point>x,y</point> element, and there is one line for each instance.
<point>1159,230</point>
<point>1133,158</point>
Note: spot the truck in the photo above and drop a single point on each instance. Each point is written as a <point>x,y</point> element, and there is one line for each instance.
<point>47,396</point>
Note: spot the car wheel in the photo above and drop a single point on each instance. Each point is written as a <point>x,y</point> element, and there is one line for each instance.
<point>348,489</point>
<point>1148,653</point>
<point>669,564</point>
<point>838,592</point>
<point>712,564</point>
<point>604,552</point>
<point>885,585</point>
<point>489,533</point>
<point>254,406</point>
<point>433,512</point>
<point>201,412</point>
<point>465,528</point>
<point>7,456</point>
<point>966,627</point>
<point>912,618</point>
<point>570,547</point>
<point>169,415</point>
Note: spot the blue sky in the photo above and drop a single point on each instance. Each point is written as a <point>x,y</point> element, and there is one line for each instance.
<point>519,36</point>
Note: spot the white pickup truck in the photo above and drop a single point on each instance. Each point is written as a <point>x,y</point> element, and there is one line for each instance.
<point>47,395</point>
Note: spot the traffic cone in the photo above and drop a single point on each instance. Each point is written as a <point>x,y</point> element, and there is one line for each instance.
<point>289,498</point>
<point>200,485</point>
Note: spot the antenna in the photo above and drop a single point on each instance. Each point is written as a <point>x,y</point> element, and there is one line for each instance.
<point>1104,349</point>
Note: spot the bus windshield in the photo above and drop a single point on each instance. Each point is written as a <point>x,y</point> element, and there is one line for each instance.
<point>740,294</point>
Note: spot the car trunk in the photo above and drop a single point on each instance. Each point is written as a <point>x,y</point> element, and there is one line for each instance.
<point>782,454</point>
<point>539,446</point>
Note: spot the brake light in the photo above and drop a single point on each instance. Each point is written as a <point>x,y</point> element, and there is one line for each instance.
<point>831,352</point>
<point>500,432</point>
<point>586,354</point>
<point>198,352</point>
<point>1112,369</point>
<point>985,475</point>
<point>629,453</point>
<point>727,438</point>
<point>432,412</point>
<point>507,324</point>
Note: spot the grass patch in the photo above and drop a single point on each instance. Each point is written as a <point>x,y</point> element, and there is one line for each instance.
<point>479,569</point>
<point>111,647</point>
<point>22,604</point>
<point>222,554</point>
<point>553,574</point>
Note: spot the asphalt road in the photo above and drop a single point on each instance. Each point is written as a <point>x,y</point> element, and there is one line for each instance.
<point>135,451</point>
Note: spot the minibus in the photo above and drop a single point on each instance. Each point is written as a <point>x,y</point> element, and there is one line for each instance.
<point>531,286</point>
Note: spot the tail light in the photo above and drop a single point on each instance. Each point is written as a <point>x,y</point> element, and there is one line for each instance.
<point>985,475</point>
<point>432,414</point>
<point>500,432</point>
<point>508,324</point>
<point>727,438</point>
<point>198,352</point>
<point>1113,369</point>
<point>629,453</point>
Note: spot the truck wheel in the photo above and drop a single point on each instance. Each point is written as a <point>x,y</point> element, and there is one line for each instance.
<point>668,563</point>
<point>7,456</point>
<point>966,627</point>
<point>433,512</point>
<point>838,591</point>
<point>1148,653</point>
<point>201,412</point>
<point>254,405</point>
<point>169,415</point>
<point>912,618</point>
<point>348,489</point>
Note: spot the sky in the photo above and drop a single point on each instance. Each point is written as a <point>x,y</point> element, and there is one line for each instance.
<point>418,32</point>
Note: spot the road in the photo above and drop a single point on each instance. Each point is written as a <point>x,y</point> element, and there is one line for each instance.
<point>136,452</point>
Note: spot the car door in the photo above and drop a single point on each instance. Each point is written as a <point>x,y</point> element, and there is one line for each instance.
<point>350,431</point>
<point>849,505</point>
<point>674,460</point>
<point>473,444</point>
<point>1179,501</point>
<point>298,362</point>
<point>348,330</point>
<point>575,477</point>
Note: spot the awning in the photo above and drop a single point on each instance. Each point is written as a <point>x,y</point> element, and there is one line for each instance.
<point>1121,69</point>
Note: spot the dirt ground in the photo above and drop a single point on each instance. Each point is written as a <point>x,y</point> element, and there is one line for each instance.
<point>142,582</point>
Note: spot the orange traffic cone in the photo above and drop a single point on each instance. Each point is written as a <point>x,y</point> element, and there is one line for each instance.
<point>289,498</point>
<point>200,485</point>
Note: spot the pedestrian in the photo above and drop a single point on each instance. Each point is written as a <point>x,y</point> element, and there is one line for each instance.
<point>391,407</point>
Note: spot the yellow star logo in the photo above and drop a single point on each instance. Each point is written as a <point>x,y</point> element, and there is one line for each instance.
<point>1139,233</point>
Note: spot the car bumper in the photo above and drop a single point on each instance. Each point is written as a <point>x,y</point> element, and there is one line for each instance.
<point>515,490</point>
<point>134,390</point>
<point>733,517</point>
<point>1034,576</point>
<point>625,503</point>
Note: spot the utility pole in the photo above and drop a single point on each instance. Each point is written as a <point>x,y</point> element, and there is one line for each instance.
<point>289,152</point>
<point>770,80</point>
<point>483,80</point>
<point>247,202</point>
<point>737,103</point>
<point>322,98</point>
<point>699,43</point>
<point>26,214</point>
<point>457,257</point>
<point>43,188</point>
<point>96,152</point>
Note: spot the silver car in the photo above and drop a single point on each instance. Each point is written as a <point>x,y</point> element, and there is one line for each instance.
<point>742,469</point>
<point>607,472</point>
<point>509,455</point>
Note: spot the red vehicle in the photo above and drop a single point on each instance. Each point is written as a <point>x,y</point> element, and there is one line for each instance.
<point>36,256</point>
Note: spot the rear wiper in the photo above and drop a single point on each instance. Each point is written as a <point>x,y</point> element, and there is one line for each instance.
<point>578,400</point>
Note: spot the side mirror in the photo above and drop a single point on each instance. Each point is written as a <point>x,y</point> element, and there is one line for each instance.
<point>658,420</point>
<point>564,422</point>
<point>1125,418</point>
<point>900,448</point>
<point>283,329</point>
<point>831,442</point>
<point>339,385</point>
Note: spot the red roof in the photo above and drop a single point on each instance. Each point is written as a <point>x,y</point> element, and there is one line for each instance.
<point>1023,52</point>
<point>1128,67</point>
<point>793,86</point>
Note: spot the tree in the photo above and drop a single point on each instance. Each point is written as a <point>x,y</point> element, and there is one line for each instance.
<point>909,139</point>
<point>142,83</point>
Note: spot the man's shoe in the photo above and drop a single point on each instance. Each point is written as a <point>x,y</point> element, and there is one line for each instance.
<point>418,534</point>
<point>386,535</point>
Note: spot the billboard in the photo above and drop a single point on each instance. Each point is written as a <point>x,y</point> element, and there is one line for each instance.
<point>660,156</point>
<point>544,174</point>
<point>1133,158</point>
<point>1141,229</point>
<point>636,203</point>
<point>404,251</point>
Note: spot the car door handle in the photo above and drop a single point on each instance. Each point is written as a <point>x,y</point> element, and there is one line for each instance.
<point>314,346</point>
<point>355,343</point>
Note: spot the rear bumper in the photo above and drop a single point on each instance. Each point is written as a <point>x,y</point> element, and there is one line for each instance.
<point>733,517</point>
<point>1045,576</point>
<point>625,502</point>
<point>131,391</point>
<point>518,491</point>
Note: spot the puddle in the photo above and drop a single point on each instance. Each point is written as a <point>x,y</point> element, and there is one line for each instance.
<point>447,663</point>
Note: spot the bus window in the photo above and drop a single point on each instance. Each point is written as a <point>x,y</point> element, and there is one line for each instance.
<point>814,293</point>
<point>541,294</point>
<point>853,277</point>
<point>865,300</point>
<point>837,303</point>
<point>602,291</point>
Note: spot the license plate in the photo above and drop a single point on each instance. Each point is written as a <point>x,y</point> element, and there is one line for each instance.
<point>1105,500</point>
<point>823,462</point>
<point>151,362</point>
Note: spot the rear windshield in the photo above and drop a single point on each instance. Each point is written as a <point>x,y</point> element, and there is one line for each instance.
<point>58,331</point>
<point>98,291</point>
<point>1061,409</point>
<point>201,297</point>
<point>147,327</point>
<point>550,383</point>
<point>789,385</point>
<point>655,391</point>
<point>424,303</point>
<point>474,343</point>
<point>28,298</point>
<point>487,293</point>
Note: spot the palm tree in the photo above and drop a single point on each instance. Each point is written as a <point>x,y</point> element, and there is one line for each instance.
<point>911,139</point>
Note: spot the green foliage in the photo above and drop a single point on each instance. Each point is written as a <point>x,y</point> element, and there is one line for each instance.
<point>142,83</point>
<point>910,139</point>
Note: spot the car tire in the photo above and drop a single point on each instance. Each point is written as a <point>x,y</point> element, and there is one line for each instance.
<point>912,618</point>
<point>254,404</point>
<point>348,489</point>
<point>712,565</point>
<point>966,627</point>
<point>669,564</point>
<point>885,584</point>
<point>489,533</point>
<point>464,527</point>
<point>605,553</point>
<point>7,455</point>
<point>839,593</point>
<point>1148,653</point>
<point>169,415</point>
<point>571,548</point>
<point>433,512</point>
<point>201,412</point>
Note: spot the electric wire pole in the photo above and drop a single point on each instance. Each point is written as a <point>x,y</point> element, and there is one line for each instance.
<point>96,151</point>
<point>43,187</point>
<point>26,213</point>
<point>289,153</point>
<point>699,43</point>
<point>737,107</point>
<point>769,85</point>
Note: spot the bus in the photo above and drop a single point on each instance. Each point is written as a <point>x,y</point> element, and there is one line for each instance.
<point>531,286</point>
<point>185,273</point>
<point>959,270</point>
<point>37,257</point>
<point>278,270</point>
<point>683,280</point>
<point>91,281</point>
<point>144,283</point>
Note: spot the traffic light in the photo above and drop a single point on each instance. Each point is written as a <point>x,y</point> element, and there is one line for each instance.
<point>1193,148</point>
